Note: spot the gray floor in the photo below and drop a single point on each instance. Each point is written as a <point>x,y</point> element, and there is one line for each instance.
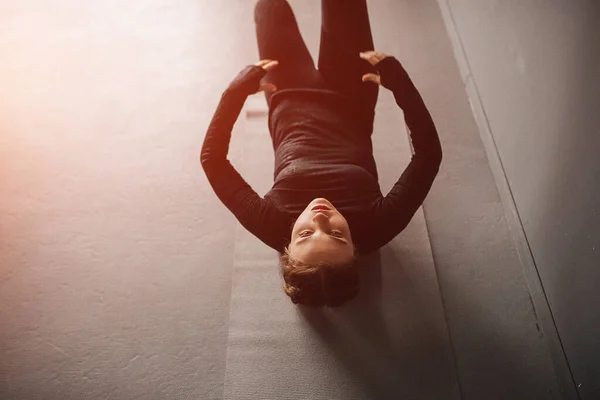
<point>122,276</point>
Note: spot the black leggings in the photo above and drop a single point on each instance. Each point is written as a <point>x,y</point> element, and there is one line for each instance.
<point>345,32</point>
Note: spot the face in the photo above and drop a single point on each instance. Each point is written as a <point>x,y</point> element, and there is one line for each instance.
<point>320,234</point>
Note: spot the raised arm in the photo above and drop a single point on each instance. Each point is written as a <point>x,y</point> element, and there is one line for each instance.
<point>404,199</point>
<point>252,211</point>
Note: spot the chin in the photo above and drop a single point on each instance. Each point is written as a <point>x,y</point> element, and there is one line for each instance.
<point>320,201</point>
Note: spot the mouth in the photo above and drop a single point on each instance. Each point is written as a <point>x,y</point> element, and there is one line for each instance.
<point>321,207</point>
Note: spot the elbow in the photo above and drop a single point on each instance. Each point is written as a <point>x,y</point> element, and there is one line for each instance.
<point>207,154</point>
<point>433,160</point>
<point>437,162</point>
<point>210,163</point>
<point>437,154</point>
<point>438,157</point>
<point>434,157</point>
<point>205,160</point>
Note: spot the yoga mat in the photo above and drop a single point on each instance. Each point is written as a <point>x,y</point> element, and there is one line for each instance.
<point>390,342</point>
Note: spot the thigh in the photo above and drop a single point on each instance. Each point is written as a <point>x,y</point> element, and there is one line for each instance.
<point>279,38</point>
<point>345,32</point>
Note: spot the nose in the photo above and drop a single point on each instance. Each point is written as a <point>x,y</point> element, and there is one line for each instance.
<point>321,220</point>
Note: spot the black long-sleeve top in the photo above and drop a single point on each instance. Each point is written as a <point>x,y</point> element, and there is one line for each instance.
<point>320,151</point>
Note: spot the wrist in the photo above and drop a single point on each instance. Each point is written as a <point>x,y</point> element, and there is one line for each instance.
<point>247,81</point>
<point>393,74</point>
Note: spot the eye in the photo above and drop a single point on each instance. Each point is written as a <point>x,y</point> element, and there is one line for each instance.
<point>333,233</point>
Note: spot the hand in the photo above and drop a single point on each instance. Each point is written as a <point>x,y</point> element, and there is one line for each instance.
<point>248,80</point>
<point>267,65</point>
<point>373,58</point>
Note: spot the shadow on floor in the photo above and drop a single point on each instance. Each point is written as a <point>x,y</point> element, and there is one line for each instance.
<point>390,339</point>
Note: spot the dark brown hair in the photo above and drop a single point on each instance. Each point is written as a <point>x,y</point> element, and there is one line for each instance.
<point>321,284</point>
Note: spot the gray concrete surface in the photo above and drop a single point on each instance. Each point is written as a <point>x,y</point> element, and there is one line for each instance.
<point>120,271</point>
<point>108,289</point>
